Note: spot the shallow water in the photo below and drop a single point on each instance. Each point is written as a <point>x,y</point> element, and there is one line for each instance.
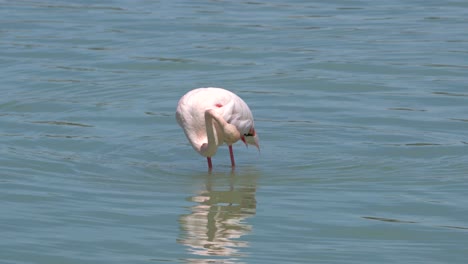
<point>361,108</point>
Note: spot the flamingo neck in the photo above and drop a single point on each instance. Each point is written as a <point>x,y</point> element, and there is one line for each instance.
<point>225,132</point>
<point>212,121</point>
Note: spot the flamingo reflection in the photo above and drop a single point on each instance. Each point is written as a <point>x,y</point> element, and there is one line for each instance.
<point>217,222</point>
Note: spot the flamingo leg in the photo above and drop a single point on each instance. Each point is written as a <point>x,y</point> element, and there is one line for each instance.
<point>210,166</point>
<point>233,163</point>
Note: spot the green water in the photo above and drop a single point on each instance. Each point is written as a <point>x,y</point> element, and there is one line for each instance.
<point>361,108</point>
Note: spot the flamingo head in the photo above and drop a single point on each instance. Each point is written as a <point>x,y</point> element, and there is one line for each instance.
<point>251,138</point>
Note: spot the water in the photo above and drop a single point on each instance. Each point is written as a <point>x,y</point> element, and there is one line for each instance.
<point>361,108</point>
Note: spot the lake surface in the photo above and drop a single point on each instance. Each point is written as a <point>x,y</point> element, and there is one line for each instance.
<point>361,108</point>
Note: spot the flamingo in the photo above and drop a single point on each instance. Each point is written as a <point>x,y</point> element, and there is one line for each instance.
<point>211,117</point>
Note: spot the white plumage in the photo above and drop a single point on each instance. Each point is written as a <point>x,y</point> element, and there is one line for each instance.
<point>227,117</point>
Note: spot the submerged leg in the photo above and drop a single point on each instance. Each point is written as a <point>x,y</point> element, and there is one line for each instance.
<point>233,163</point>
<point>210,166</point>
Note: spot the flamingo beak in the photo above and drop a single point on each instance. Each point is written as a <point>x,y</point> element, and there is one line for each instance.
<point>256,142</point>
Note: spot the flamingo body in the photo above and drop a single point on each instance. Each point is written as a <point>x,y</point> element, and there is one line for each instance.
<point>211,117</point>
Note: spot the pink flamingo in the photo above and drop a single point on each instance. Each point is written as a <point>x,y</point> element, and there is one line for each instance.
<point>211,117</point>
